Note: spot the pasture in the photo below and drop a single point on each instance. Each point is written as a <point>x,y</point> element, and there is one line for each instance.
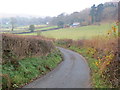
<point>75,33</point>
<point>26,28</point>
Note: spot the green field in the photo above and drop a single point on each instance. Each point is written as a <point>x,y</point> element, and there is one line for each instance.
<point>50,27</point>
<point>26,29</point>
<point>84,32</point>
<point>75,33</point>
<point>23,28</point>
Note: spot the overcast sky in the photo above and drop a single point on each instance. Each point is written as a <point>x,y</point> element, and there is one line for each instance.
<point>45,7</point>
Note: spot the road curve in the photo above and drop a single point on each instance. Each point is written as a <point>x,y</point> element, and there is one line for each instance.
<point>73,72</point>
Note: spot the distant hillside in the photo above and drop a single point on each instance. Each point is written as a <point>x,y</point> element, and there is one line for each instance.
<point>107,12</point>
<point>101,13</point>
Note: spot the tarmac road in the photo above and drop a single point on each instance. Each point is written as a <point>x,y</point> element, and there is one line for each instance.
<point>73,72</point>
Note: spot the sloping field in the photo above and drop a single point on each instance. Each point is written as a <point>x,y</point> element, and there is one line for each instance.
<point>25,29</point>
<point>85,32</point>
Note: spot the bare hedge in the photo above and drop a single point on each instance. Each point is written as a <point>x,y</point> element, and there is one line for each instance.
<point>24,46</point>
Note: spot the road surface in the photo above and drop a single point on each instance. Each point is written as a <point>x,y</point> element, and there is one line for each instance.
<point>73,72</point>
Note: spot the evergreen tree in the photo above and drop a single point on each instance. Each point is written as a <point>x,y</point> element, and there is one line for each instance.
<point>99,11</point>
<point>93,13</point>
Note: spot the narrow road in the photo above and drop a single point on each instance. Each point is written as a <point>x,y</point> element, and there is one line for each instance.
<point>73,72</point>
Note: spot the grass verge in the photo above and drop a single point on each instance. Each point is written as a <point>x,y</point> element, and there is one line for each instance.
<point>29,69</point>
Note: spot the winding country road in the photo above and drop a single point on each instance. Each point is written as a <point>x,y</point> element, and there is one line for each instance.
<point>73,72</point>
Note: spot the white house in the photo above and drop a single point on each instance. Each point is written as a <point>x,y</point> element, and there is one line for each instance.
<point>75,24</point>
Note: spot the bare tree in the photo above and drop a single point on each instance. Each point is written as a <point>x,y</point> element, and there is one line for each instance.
<point>13,21</point>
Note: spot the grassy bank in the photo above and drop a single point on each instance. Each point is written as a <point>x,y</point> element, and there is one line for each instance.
<point>28,69</point>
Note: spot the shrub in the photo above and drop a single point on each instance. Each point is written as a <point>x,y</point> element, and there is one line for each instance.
<point>31,28</point>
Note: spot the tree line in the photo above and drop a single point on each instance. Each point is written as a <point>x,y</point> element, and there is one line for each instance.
<point>97,13</point>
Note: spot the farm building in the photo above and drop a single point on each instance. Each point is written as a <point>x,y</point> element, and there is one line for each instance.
<point>75,24</point>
